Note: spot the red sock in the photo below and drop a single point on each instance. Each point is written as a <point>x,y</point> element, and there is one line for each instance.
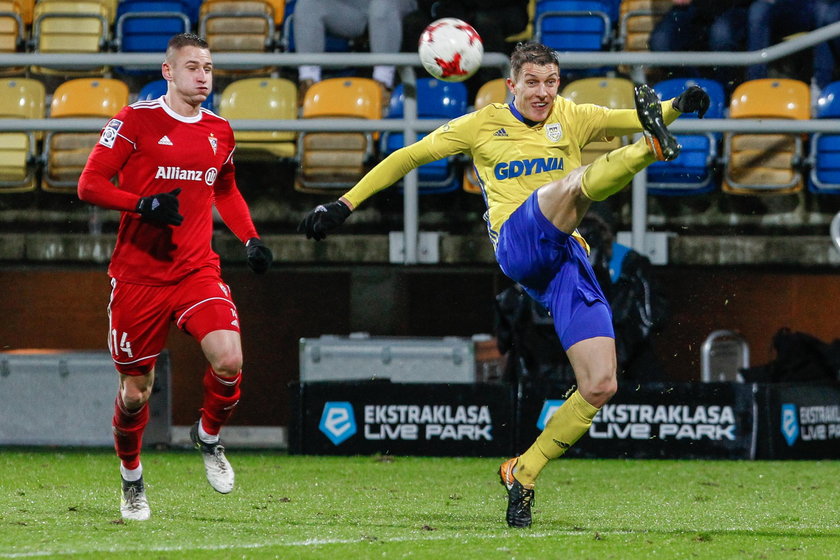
<point>221,395</point>
<point>128,432</point>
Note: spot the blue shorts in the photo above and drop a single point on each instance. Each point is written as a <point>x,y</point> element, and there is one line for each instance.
<point>554,269</point>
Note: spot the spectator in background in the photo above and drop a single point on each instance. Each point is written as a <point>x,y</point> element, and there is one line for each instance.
<point>770,21</point>
<point>349,19</point>
<point>826,54</point>
<point>703,25</point>
<point>494,20</point>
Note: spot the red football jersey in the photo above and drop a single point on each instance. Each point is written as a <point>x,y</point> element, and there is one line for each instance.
<point>152,150</point>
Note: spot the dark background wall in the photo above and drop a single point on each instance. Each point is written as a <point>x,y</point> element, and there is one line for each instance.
<point>65,307</point>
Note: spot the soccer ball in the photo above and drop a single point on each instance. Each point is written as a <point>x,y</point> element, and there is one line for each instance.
<point>450,49</point>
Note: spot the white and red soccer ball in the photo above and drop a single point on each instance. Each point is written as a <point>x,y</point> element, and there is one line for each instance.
<point>450,50</point>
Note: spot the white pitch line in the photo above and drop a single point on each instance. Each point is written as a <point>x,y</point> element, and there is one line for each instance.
<point>309,542</point>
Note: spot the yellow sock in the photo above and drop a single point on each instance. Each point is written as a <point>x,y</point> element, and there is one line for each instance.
<point>563,429</point>
<point>614,170</point>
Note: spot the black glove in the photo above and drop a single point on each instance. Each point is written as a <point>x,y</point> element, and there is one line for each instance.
<point>161,208</point>
<point>259,256</point>
<point>694,98</point>
<point>324,218</point>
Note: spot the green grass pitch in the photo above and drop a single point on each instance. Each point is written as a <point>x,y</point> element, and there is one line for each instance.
<point>65,504</point>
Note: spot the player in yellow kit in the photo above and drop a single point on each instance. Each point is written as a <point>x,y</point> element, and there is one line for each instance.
<point>527,158</point>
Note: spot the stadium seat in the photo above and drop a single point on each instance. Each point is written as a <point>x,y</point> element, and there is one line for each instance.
<point>156,88</point>
<point>573,25</point>
<point>576,25</point>
<point>765,163</point>
<point>261,98</point>
<point>493,91</point>
<point>65,153</point>
<point>693,170</point>
<point>435,100</point>
<point>824,177</point>
<point>27,10</point>
<point>70,27</point>
<point>638,18</point>
<point>12,29</point>
<point>614,93</point>
<point>147,26</point>
<point>332,162</point>
<point>20,98</point>
<point>238,26</point>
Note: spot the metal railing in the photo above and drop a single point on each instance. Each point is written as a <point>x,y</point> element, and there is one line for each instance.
<point>410,125</point>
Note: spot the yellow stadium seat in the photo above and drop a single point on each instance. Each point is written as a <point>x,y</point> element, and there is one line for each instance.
<point>493,91</point>
<point>279,8</point>
<point>62,26</point>
<point>27,9</point>
<point>331,161</point>
<point>12,29</point>
<point>765,163</point>
<point>261,98</point>
<point>66,152</point>
<point>637,20</point>
<point>238,26</point>
<point>20,98</point>
<point>615,93</point>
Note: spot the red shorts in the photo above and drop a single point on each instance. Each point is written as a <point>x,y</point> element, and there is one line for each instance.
<point>140,315</point>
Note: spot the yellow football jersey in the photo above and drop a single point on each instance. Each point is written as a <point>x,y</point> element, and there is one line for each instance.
<point>512,156</point>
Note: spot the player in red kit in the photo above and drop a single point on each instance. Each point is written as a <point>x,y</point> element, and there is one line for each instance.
<point>174,163</point>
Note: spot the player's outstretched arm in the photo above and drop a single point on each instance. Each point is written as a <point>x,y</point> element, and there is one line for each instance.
<point>323,219</point>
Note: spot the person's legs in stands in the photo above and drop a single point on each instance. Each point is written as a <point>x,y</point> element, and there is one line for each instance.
<point>313,19</point>
<point>728,32</point>
<point>678,31</point>
<point>826,54</point>
<point>385,29</point>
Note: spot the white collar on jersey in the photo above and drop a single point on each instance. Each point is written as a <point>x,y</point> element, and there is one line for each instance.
<point>176,116</point>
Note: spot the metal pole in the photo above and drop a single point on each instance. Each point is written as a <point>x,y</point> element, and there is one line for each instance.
<point>410,191</point>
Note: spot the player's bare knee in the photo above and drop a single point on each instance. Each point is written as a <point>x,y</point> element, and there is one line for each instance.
<point>135,396</point>
<point>227,365</point>
<point>598,392</point>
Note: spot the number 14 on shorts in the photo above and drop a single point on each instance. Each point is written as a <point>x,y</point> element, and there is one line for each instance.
<point>121,343</point>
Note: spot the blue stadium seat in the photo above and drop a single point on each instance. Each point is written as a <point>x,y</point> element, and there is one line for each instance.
<point>574,25</point>
<point>155,89</point>
<point>146,26</point>
<point>693,170</point>
<point>824,177</point>
<point>435,100</point>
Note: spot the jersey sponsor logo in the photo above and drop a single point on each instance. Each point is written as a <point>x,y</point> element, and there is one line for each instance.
<point>165,141</point>
<point>518,167</point>
<point>172,173</point>
<point>554,132</point>
<point>175,173</point>
<point>210,176</point>
<point>109,133</point>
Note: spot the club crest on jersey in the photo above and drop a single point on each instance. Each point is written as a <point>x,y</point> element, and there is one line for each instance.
<point>109,133</point>
<point>554,132</point>
<point>214,142</point>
